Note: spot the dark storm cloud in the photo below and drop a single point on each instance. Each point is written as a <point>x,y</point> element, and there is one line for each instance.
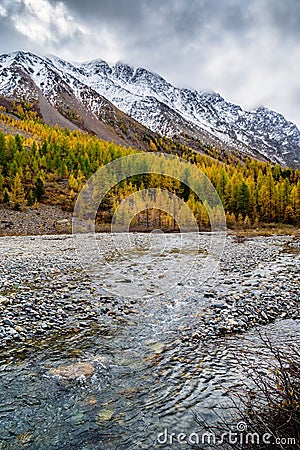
<point>149,17</point>
<point>284,16</point>
<point>246,50</point>
<point>195,17</point>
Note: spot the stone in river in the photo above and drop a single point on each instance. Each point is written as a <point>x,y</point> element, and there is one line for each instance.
<point>104,415</point>
<point>73,371</point>
<point>91,401</point>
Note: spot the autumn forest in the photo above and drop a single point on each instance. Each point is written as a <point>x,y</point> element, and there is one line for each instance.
<point>43,164</point>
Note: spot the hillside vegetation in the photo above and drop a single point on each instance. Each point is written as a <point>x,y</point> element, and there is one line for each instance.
<point>39,163</point>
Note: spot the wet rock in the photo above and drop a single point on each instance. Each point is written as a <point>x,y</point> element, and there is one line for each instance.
<point>91,401</point>
<point>73,371</point>
<point>104,415</point>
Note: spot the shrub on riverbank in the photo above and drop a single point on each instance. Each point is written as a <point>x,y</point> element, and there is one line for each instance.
<point>265,413</point>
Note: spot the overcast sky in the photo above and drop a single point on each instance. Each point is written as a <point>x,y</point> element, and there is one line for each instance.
<point>247,50</point>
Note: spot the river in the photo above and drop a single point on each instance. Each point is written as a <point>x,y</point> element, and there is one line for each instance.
<point>159,352</point>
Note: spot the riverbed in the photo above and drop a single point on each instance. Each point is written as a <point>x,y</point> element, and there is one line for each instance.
<point>156,320</point>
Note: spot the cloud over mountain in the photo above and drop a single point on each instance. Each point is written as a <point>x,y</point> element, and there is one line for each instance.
<point>248,51</point>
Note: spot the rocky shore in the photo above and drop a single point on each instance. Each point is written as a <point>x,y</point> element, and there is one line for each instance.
<point>259,282</point>
<point>45,219</point>
<point>44,292</point>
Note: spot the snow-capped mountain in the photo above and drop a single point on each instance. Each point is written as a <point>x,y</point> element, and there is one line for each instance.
<point>190,116</point>
<point>60,98</point>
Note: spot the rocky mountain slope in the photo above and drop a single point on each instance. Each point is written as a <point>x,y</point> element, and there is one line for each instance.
<point>63,100</point>
<point>92,95</point>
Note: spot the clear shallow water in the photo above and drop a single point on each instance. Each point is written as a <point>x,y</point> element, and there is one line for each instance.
<point>142,386</point>
<point>146,377</point>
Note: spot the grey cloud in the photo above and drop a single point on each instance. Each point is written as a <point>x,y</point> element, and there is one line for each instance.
<point>234,16</point>
<point>10,39</point>
<point>246,50</point>
<point>284,16</point>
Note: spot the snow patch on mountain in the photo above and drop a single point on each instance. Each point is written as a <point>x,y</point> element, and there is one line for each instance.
<point>151,100</point>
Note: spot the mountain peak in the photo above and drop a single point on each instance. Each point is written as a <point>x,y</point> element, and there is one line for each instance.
<point>122,71</point>
<point>147,97</point>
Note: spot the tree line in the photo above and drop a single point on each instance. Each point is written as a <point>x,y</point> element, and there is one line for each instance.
<point>39,163</point>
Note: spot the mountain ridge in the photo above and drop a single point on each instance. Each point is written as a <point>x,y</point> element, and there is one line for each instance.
<point>190,116</point>
<point>24,76</point>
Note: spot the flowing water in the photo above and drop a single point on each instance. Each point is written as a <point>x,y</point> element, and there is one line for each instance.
<point>146,378</point>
